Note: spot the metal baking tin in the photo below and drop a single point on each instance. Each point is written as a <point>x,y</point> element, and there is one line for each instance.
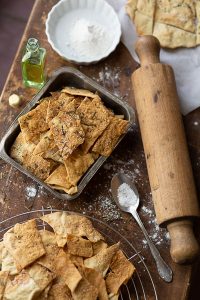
<point>66,76</point>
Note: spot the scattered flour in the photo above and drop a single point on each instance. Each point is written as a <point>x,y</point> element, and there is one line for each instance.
<point>31,191</point>
<point>126,195</point>
<point>108,209</point>
<point>109,77</point>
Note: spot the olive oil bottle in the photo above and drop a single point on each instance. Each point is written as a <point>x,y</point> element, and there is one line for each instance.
<point>33,62</point>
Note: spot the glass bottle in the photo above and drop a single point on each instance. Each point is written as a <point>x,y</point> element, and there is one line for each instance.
<point>33,64</point>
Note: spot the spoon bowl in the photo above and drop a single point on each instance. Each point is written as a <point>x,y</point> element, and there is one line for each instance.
<point>121,180</point>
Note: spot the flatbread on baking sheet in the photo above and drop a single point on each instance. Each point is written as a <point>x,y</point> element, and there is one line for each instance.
<point>180,14</point>
<point>175,37</point>
<point>33,123</point>
<point>3,282</point>
<point>68,132</point>
<point>174,23</point>
<point>198,21</point>
<point>101,261</point>
<point>24,238</point>
<point>94,119</point>
<point>64,224</point>
<point>107,141</point>
<point>121,271</point>
<point>146,7</point>
<point>143,24</point>
<point>79,246</point>
<point>131,6</point>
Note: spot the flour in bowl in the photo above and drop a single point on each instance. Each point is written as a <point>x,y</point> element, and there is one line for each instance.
<point>89,39</point>
<point>126,195</point>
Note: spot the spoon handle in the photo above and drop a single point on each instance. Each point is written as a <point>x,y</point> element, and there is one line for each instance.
<point>163,269</point>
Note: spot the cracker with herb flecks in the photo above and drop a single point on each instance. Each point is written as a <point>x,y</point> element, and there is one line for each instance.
<point>57,104</point>
<point>68,132</point>
<point>24,239</point>
<point>33,124</point>
<point>109,138</point>
<point>94,119</point>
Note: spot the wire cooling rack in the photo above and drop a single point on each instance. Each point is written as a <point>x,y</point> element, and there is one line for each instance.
<point>136,288</point>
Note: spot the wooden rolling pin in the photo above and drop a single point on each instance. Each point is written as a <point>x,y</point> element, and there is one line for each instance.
<point>167,157</point>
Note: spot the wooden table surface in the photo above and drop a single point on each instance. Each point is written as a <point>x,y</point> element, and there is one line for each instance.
<point>15,188</point>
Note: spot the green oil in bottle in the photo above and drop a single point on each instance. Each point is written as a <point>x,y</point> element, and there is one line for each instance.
<point>33,62</point>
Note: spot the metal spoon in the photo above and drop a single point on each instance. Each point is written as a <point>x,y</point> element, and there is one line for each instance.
<point>163,269</point>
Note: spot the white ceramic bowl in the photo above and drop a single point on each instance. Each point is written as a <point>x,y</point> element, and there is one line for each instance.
<point>62,19</point>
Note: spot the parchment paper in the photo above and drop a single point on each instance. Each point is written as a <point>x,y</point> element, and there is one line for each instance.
<point>185,62</point>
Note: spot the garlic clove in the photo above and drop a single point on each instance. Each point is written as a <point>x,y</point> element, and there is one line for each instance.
<point>14,100</point>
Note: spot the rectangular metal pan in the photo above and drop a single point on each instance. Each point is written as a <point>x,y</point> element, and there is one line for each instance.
<point>65,77</point>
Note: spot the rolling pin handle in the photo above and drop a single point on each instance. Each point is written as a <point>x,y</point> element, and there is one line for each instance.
<point>184,246</point>
<point>148,49</point>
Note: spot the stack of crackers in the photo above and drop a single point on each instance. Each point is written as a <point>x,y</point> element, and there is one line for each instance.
<point>63,136</point>
<point>176,23</point>
<point>73,262</point>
